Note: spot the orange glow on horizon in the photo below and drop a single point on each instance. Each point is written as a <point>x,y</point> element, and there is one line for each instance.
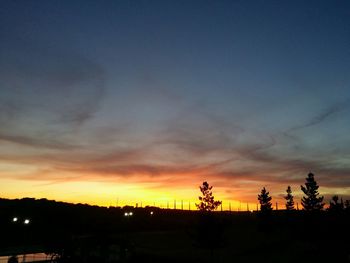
<point>141,190</point>
<point>113,194</point>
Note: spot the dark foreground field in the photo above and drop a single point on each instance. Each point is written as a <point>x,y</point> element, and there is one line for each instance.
<point>82,233</point>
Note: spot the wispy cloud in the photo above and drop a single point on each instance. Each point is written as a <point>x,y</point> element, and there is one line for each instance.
<point>322,116</point>
<point>35,141</point>
<point>47,94</point>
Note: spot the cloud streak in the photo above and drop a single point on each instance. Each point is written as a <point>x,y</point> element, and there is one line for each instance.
<point>322,116</point>
<point>47,94</point>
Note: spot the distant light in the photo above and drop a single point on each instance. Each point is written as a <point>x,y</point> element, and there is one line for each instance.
<point>26,222</point>
<point>151,213</point>
<point>126,214</point>
<point>130,214</point>
<point>15,219</point>
<point>251,211</point>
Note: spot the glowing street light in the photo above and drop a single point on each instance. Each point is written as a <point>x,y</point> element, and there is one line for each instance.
<point>26,221</point>
<point>151,213</point>
<point>15,219</point>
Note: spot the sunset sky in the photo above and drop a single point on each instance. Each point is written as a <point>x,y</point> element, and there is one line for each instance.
<point>109,102</point>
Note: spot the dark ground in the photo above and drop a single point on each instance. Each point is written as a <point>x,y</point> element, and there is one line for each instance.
<point>82,233</point>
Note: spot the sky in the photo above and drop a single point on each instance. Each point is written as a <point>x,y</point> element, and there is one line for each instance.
<point>123,102</point>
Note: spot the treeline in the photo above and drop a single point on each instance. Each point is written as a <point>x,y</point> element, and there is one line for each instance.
<point>311,201</point>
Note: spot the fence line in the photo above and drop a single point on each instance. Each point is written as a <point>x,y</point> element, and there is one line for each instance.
<point>190,205</point>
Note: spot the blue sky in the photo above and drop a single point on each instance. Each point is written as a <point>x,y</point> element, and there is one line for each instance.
<point>166,94</point>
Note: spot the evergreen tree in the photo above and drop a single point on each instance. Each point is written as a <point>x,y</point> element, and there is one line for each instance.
<point>312,201</point>
<point>207,202</point>
<point>289,199</point>
<point>265,201</point>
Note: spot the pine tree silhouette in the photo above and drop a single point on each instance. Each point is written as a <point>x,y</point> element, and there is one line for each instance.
<point>265,201</point>
<point>289,199</point>
<point>209,230</point>
<point>312,201</point>
<point>207,202</point>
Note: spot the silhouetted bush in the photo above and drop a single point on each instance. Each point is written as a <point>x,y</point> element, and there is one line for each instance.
<point>335,206</point>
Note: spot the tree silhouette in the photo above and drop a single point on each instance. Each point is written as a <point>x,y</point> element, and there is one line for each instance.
<point>207,202</point>
<point>289,199</point>
<point>265,201</point>
<point>312,201</point>
<point>335,205</point>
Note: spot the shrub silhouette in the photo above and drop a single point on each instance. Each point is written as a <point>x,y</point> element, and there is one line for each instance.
<point>335,205</point>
